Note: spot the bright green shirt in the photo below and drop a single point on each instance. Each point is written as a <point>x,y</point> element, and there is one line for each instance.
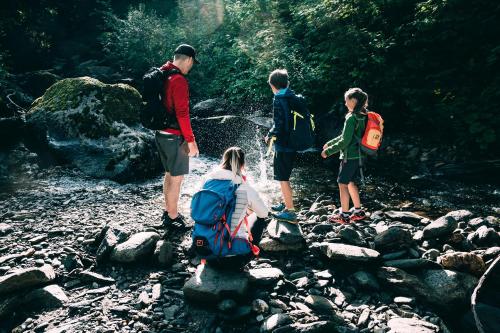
<point>347,142</point>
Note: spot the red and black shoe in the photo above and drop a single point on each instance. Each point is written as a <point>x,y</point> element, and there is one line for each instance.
<point>341,218</point>
<point>358,214</point>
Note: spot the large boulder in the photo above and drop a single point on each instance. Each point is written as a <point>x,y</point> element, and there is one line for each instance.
<point>137,247</point>
<point>484,237</point>
<point>211,286</point>
<point>46,298</point>
<point>209,108</point>
<point>94,126</point>
<point>25,279</point>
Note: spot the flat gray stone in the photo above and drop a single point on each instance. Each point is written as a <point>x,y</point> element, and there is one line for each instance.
<point>211,286</point>
<point>274,245</point>
<point>407,217</point>
<point>88,276</point>
<point>286,233</point>
<point>42,299</point>
<point>344,252</point>
<point>393,239</point>
<point>25,279</point>
<point>264,276</point>
<point>460,215</point>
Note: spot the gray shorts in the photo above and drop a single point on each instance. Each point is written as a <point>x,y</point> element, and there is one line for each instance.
<point>173,152</point>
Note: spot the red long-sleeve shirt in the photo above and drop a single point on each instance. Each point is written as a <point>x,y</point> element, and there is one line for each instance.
<point>177,100</point>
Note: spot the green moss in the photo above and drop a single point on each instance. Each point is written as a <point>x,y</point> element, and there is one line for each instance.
<point>86,107</point>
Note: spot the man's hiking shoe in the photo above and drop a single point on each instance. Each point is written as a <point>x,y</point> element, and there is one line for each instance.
<point>278,207</point>
<point>286,216</point>
<point>357,214</point>
<point>340,218</point>
<point>179,223</point>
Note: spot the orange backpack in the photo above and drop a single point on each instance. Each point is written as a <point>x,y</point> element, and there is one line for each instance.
<point>372,138</point>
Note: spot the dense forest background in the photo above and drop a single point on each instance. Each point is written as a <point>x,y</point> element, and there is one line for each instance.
<point>431,68</point>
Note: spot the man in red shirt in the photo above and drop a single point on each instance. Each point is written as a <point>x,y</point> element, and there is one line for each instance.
<point>176,143</point>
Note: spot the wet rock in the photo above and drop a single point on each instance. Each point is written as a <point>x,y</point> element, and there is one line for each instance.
<point>464,262</point>
<point>264,276</point>
<point>323,305</point>
<point>405,325</point>
<point>460,215</point>
<point>211,285</point>
<point>275,321</point>
<point>411,263</point>
<point>274,245</point>
<point>5,229</point>
<point>365,280</point>
<point>260,306</point>
<point>393,239</point>
<point>477,222</point>
<point>286,233</point>
<point>112,236</point>
<point>24,279</point>
<point>317,327</point>
<point>351,236</point>
<point>484,237</point>
<point>343,252</point>
<point>94,126</point>
<point>407,217</point>
<point>87,276</point>
<point>164,253</point>
<point>431,254</point>
<point>443,226</point>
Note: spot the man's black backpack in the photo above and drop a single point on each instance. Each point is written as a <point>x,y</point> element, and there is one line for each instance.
<point>299,124</point>
<point>153,114</point>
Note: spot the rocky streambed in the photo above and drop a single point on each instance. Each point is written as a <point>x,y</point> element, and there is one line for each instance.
<point>80,254</point>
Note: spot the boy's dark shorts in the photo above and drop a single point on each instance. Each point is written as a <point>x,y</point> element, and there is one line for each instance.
<point>173,152</point>
<point>283,165</point>
<point>348,171</point>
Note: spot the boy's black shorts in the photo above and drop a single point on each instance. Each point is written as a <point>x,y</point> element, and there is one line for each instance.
<point>348,171</point>
<point>283,165</point>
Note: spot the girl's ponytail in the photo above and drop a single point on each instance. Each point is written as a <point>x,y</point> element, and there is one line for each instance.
<point>233,160</point>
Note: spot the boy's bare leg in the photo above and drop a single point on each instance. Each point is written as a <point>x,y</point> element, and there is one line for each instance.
<point>344,197</point>
<point>287,192</point>
<point>166,185</point>
<point>354,193</point>
<point>173,193</point>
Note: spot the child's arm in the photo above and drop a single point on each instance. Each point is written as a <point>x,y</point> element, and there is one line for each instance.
<point>278,120</point>
<point>344,139</point>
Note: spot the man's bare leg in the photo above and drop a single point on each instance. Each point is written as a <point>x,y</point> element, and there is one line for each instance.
<point>166,186</point>
<point>173,193</point>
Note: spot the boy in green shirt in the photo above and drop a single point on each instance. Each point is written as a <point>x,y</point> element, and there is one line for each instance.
<point>347,143</point>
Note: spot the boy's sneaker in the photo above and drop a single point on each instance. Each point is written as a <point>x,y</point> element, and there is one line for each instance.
<point>286,216</point>
<point>357,214</point>
<point>341,218</point>
<point>278,207</point>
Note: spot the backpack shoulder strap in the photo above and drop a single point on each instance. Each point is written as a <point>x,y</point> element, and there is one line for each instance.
<point>286,109</point>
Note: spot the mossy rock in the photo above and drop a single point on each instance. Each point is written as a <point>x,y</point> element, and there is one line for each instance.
<point>95,127</point>
<point>85,107</point>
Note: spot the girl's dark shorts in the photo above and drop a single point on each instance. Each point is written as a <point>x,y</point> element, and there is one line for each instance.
<point>173,152</point>
<point>348,171</point>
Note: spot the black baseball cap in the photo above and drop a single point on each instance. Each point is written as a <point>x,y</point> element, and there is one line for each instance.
<point>187,50</point>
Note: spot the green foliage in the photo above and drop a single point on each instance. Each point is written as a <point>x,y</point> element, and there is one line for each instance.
<point>430,67</point>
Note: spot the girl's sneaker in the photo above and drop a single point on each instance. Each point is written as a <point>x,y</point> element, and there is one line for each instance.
<point>278,207</point>
<point>286,216</point>
<point>341,218</point>
<point>358,214</point>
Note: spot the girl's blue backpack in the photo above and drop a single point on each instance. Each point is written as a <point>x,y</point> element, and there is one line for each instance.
<point>211,209</point>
